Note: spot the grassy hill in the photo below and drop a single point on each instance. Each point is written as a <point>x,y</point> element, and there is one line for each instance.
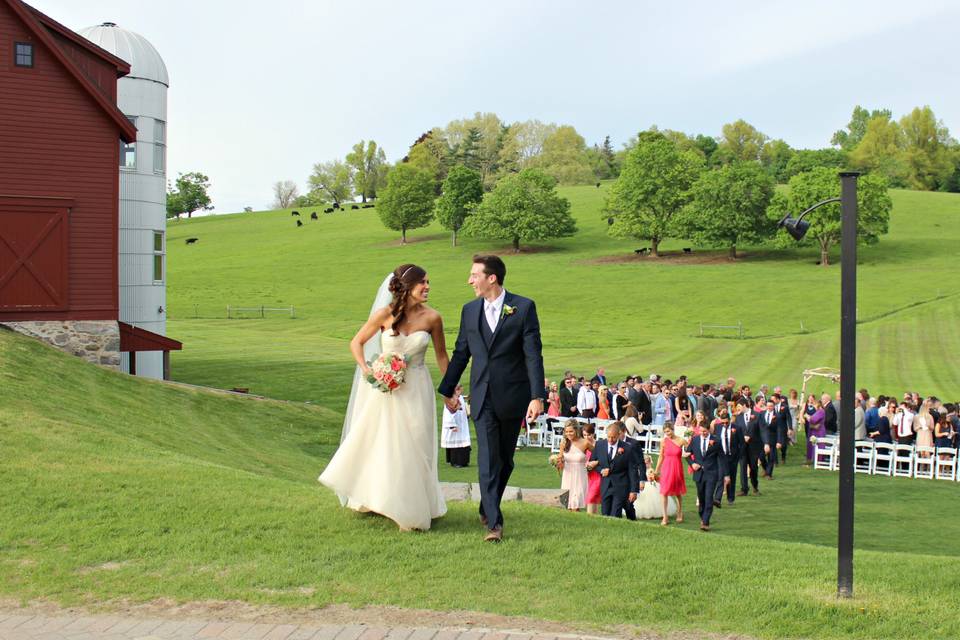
<point>599,304</point>
<point>116,488</point>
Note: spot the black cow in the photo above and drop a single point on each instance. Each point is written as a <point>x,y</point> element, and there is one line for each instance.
<point>644,251</point>
<point>368,206</point>
<point>299,224</point>
<point>295,213</point>
<point>313,216</point>
<point>192,240</point>
<point>598,185</point>
<point>336,205</point>
<point>687,250</point>
<point>328,210</point>
<point>355,206</point>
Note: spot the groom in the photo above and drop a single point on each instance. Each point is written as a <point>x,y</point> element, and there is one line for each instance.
<point>501,332</point>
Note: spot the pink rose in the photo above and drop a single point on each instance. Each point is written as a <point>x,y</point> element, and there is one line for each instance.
<point>396,365</point>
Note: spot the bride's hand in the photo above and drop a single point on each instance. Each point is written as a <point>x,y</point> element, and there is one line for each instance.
<point>451,404</point>
<point>367,371</point>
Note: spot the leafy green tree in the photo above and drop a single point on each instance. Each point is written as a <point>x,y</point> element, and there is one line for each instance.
<point>188,195</point>
<point>775,158</point>
<point>707,146</point>
<point>422,157</point>
<point>313,198</point>
<point>523,144</point>
<point>462,191</point>
<point>654,185</point>
<point>334,179</point>
<point>847,139</point>
<point>523,207</point>
<point>927,144</point>
<point>728,207</point>
<point>881,151</point>
<point>742,142</point>
<point>564,157</point>
<point>808,188</point>
<point>807,159</point>
<point>468,152</point>
<point>407,200</point>
<point>369,165</point>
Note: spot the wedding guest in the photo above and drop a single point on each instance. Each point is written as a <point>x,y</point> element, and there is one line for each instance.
<point>700,423</point>
<point>669,471</point>
<point>731,442</point>
<point>785,425</point>
<point>830,420</point>
<point>770,436</point>
<point>903,422</point>
<point>793,403</point>
<point>603,403</point>
<point>631,423</point>
<point>836,411</point>
<point>455,431</point>
<point>660,406</point>
<point>708,403</point>
<point>568,398</point>
<point>703,451</point>
<point>618,471</point>
<point>871,417</point>
<point>587,402</point>
<point>553,401</point>
<point>749,425</point>
<point>881,432</point>
<point>859,420</point>
<point>681,404</point>
<point>923,426</point>
<point>644,403</point>
<point>815,425</point>
<point>593,476</point>
<point>620,402</point>
<point>600,377</point>
<point>943,435</point>
<point>573,460</point>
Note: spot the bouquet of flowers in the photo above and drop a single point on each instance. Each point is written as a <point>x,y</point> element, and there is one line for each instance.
<point>387,371</point>
<point>813,439</point>
<point>556,461</point>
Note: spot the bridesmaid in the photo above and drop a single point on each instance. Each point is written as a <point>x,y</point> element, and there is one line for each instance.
<point>553,401</point>
<point>670,470</point>
<point>593,476</point>
<point>573,453</point>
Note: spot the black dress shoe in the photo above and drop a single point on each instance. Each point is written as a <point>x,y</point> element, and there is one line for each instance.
<point>717,504</point>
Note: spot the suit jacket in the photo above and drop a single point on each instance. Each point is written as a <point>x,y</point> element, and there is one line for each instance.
<point>736,442</point>
<point>770,430</point>
<point>750,429</point>
<point>507,368</point>
<point>638,460</point>
<point>830,420</point>
<point>568,399</point>
<point>882,432</point>
<point>645,407</point>
<point>786,420</point>
<point>618,407</point>
<point>624,476</point>
<point>708,461</point>
<point>598,378</point>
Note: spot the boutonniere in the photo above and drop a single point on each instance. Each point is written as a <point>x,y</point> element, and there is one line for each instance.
<point>733,430</point>
<point>507,311</point>
<point>620,451</point>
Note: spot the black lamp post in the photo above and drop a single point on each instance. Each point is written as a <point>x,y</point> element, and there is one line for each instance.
<point>797,228</point>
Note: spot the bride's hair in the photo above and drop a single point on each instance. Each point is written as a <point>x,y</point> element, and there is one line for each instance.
<point>405,277</point>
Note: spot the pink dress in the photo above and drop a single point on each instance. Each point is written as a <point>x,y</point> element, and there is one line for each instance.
<point>553,405</point>
<point>574,478</point>
<point>672,482</point>
<point>593,483</point>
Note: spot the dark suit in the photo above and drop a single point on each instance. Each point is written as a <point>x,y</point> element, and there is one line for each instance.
<point>752,450</point>
<point>830,418</point>
<point>785,424</point>
<point>636,449</point>
<point>728,457</point>
<point>618,407</point>
<point>645,407</point>
<point>568,399</point>
<point>770,435</point>
<point>506,374</point>
<point>598,378</point>
<point>705,455</point>
<point>622,480</point>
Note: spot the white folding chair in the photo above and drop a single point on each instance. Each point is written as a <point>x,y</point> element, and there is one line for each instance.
<point>903,460</point>
<point>653,444</point>
<point>825,454</point>
<point>883,453</point>
<point>923,462</point>
<point>863,456</point>
<point>946,464</point>
<point>556,439</point>
<point>535,432</point>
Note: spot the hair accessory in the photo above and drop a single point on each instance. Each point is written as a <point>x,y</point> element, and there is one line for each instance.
<point>405,272</point>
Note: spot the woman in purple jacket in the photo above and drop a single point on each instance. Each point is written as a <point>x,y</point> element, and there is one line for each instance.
<point>815,427</point>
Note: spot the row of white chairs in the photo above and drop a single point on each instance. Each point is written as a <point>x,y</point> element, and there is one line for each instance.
<point>548,433</point>
<point>897,460</point>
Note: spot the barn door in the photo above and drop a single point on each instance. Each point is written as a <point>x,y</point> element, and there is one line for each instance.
<point>34,242</point>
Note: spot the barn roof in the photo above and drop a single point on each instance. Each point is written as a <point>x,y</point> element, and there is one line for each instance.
<point>38,23</point>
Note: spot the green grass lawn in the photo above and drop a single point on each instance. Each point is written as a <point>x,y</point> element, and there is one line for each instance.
<point>120,488</point>
<point>631,315</point>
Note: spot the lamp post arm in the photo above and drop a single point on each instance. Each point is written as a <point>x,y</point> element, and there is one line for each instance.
<point>817,206</point>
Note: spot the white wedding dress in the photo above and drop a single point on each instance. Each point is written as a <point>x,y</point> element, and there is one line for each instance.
<point>387,462</point>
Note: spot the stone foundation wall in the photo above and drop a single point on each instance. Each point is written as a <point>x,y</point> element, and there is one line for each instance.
<point>96,341</point>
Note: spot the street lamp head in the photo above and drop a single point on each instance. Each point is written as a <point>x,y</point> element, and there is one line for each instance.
<point>796,227</point>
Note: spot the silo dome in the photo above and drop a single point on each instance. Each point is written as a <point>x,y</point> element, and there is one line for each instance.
<point>145,63</point>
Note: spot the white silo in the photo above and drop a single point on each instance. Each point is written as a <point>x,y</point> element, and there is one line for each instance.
<point>142,97</point>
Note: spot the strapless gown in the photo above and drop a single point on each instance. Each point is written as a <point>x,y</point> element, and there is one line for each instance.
<point>387,463</point>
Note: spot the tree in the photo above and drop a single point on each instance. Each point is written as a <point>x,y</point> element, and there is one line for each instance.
<point>807,159</point>
<point>806,189</point>
<point>476,142</point>
<point>407,200</point>
<point>603,160</point>
<point>369,165</point>
<point>563,157</point>
<point>881,151</point>
<point>741,142</point>
<point>523,207</point>
<point>927,145</point>
<point>707,145</point>
<point>468,151</point>
<point>284,193</point>
<point>188,195</point>
<point>654,185</point>
<point>422,157</point>
<point>334,179</point>
<point>462,191</point>
<point>850,137</point>
<point>728,207</point>
<point>523,143</point>
<point>775,158</point>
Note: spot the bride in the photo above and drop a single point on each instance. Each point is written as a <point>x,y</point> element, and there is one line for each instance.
<point>387,460</point>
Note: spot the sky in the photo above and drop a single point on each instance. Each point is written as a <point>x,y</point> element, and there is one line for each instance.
<point>260,91</point>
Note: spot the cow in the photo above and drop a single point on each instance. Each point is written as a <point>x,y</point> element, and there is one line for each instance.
<point>313,216</point>
<point>688,250</point>
<point>193,240</point>
<point>355,206</point>
<point>598,185</point>
<point>642,252</point>
<point>328,210</point>
<point>295,213</point>
<point>299,224</point>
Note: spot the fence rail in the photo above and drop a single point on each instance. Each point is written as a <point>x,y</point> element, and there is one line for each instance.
<point>738,327</point>
<point>197,311</point>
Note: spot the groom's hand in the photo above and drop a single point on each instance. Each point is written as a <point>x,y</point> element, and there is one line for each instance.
<point>534,410</point>
<point>451,404</point>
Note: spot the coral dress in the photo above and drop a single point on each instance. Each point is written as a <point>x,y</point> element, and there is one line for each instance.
<point>672,482</point>
<point>574,478</point>
<point>593,483</point>
<point>553,405</point>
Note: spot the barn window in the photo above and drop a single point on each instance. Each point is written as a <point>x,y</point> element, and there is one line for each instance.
<point>23,54</point>
<point>128,151</point>
<point>159,146</point>
<point>158,256</point>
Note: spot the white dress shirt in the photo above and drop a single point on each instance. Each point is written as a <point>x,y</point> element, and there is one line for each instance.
<point>492,310</point>
<point>586,399</point>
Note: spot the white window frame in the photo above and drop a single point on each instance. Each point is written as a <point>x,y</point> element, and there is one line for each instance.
<point>132,146</point>
<point>161,254</point>
<point>159,146</point>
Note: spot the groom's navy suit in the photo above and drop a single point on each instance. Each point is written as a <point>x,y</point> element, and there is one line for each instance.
<point>506,374</point>
<point>623,475</point>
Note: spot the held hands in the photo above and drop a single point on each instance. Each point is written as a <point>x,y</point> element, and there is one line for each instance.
<point>695,466</point>
<point>779,446</point>
<point>451,403</point>
<point>642,485</point>
<point>632,497</point>
<point>605,473</point>
<point>766,448</point>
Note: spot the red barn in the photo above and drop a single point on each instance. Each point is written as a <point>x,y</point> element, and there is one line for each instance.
<point>60,137</point>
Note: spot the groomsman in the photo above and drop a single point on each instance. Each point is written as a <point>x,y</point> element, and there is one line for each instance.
<point>748,423</point>
<point>703,451</point>
<point>770,435</point>
<point>568,399</point>
<point>786,424</point>
<point>636,451</point>
<point>731,443</point>
<point>619,476</point>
